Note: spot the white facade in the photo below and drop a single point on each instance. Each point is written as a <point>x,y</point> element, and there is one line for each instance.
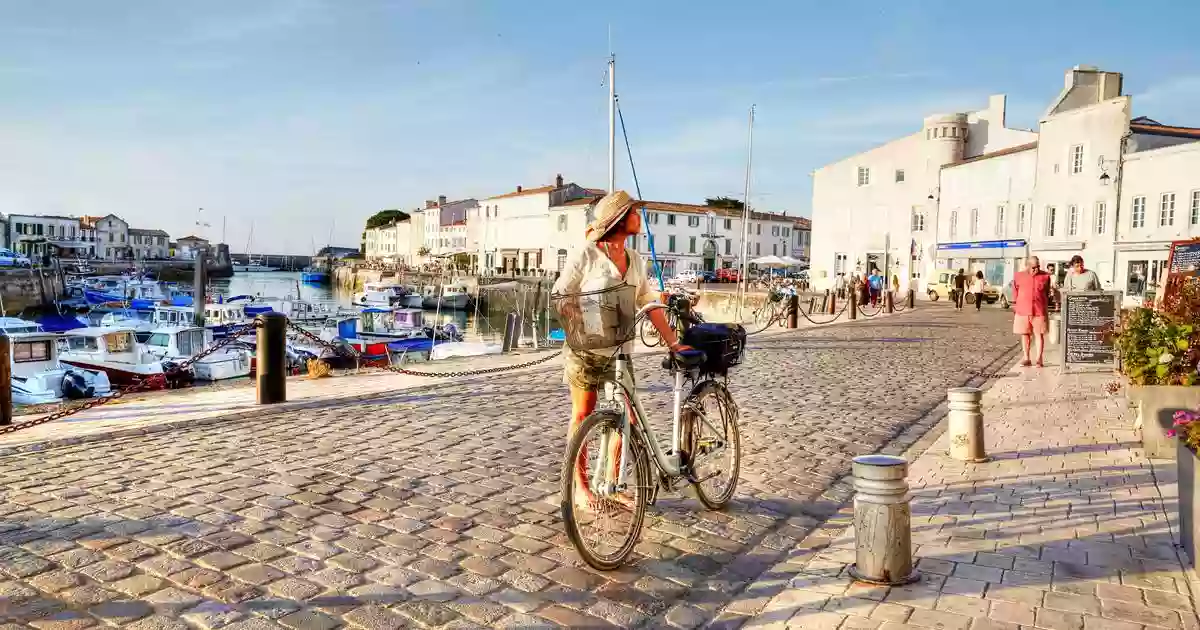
<point>1093,181</point>
<point>392,242</point>
<point>865,207</point>
<point>34,235</point>
<point>189,247</point>
<point>149,244</point>
<point>110,234</point>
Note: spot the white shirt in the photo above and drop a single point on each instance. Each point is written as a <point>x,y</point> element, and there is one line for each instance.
<point>977,285</point>
<point>590,269</point>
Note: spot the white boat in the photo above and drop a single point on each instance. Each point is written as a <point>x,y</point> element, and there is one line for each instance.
<point>254,266</point>
<point>113,351</point>
<point>392,323</point>
<point>413,296</point>
<point>450,297</point>
<point>119,319</point>
<point>38,377</point>
<point>380,294</point>
<point>463,349</point>
<point>180,343</point>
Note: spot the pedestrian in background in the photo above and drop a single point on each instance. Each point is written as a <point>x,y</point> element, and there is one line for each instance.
<point>876,283</point>
<point>960,289</point>
<point>977,288</point>
<point>1080,278</point>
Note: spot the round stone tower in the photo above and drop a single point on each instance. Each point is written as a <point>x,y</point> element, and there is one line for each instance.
<point>945,138</point>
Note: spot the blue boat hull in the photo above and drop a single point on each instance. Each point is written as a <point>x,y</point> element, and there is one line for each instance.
<point>314,277</point>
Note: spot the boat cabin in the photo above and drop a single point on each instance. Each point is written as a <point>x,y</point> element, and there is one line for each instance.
<point>105,344</point>
<point>33,352</point>
<point>389,320</point>
<point>177,341</point>
<point>15,325</point>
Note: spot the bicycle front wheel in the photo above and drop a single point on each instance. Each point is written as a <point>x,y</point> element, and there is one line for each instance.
<point>714,446</point>
<point>649,334</point>
<point>604,520</point>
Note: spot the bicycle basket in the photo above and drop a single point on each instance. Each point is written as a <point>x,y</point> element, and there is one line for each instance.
<point>724,345</point>
<point>595,320</point>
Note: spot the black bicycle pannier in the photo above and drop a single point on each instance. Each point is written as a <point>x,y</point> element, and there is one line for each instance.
<point>724,345</point>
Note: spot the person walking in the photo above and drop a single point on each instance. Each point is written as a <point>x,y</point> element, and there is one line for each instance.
<point>876,282</point>
<point>977,287</point>
<point>1031,299</point>
<point>604,264</point>
<point>1080,278</point>
<point>960,289</point>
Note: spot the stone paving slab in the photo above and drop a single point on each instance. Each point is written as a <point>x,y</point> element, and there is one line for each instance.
<point>1068,528</point>
<point>438,506</point>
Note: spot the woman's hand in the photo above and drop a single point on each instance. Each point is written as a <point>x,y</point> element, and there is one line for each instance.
<point>679,347</point>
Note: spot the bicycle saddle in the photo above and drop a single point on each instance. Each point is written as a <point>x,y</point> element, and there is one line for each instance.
<point>686,360</point>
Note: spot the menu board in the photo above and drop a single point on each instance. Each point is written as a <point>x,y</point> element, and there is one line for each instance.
<point>1089,319</point>
<point>1183,265</point>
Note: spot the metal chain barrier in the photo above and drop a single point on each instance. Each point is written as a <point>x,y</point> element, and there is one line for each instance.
<point>153,381</point>
<point>845,305</point>
<point>356,355</point>
<point>865,314</point>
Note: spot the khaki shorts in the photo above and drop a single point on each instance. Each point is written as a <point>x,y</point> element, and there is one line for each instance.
<point>1030,325</point>
<point>588,370</point>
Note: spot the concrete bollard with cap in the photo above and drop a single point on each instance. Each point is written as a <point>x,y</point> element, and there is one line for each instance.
<point>966,425</point>
<point>882,521</point>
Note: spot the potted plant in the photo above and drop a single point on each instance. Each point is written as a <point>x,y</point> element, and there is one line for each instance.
<point>1187,430</point>
<point>1160,355</point>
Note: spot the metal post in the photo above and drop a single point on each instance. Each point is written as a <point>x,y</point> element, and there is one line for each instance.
<point>511,322</point>
<point>966,425</point>
<point>272,358</point>
<point>889,302</point>
<point>793,314</point>
<point>200,290</point>
<point>882,517</point>
<point>6,408</point>
<point>852,307</point>
<point>743,284</point>
<point>832,304</point>
<point>912,298</point>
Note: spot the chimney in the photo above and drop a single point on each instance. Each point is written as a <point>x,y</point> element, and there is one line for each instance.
<point>429,204</point>
<point>441,200</point>
<point>518,189</point>
<point>558,181</point>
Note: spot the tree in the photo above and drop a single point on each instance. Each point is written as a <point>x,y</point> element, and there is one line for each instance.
<point>383,217</point>
<point>727,203</point>
<point>423,251</point>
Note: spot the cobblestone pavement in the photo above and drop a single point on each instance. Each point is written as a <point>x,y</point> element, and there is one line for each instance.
<point>438,507</point>
<point>1068,528</point>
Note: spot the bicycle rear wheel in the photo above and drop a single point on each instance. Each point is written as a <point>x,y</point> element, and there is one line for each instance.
<point>714,446</point>
<point>604,527</point>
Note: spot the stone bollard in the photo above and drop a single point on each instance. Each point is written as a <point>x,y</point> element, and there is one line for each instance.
<point>889,302</point>
<point>882,534</point>
<point>832,304</point>
<point>966,425</point>
<point>271,368</point>
<point>1053,324</point>
<point>6,406</point>
<point>912,298</point>
<point>793,315</point>
<point>852,308</point>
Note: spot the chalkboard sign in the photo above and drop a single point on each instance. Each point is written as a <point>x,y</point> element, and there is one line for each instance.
<point>1089,319</point>
<point>1183,265</point>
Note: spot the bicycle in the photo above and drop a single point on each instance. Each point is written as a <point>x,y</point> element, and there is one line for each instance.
<point>679,317</point>
<point>626,447</point>
<point>772,309</point>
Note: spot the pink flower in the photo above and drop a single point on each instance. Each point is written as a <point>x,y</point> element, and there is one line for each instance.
<point>1183,417</point>
<point>1170,432</point>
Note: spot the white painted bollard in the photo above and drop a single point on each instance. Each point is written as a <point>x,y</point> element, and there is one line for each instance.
<point>966,425</point>
<point>882,534</point>
<point>1053,326</point>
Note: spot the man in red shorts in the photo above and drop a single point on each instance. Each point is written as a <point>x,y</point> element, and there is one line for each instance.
<point>1031,294</point>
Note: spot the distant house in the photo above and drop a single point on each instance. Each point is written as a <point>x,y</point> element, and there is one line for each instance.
<point>40,235</point>
<point>187,247</point>
<point>110,233</point>
<point>338,253</point>
<point>149,244</point>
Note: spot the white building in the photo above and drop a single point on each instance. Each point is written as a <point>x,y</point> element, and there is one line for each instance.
<point>188,247</point>
<point>110,234</point>
<point>513,231</point>
<point>1092,181</point>
<point>685,236</point>
<point>149,244</point>
<point>38,235</point>
<point>392,242</point>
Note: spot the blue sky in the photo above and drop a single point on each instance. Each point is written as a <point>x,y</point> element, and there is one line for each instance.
<point>304,116</point>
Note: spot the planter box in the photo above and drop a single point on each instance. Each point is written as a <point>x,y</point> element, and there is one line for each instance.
<point>1189,503</point>
<point>1156,405</point>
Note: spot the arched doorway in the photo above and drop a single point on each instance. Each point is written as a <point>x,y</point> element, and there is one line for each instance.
<point>710,255</point>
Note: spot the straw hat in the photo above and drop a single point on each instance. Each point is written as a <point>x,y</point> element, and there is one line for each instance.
<point>610,210</point>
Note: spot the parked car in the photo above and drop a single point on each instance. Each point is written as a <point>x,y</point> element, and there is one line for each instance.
<point>728,274</point>
<point>943,281</point>
<point>707,276</point>
<point>9,258</point>
<point>687,276</point>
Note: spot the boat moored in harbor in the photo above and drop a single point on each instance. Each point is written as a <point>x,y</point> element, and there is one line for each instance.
<point>113,351</point>
<point>39,378</point>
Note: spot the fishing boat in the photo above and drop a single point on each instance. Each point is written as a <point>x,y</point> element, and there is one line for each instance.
<point>180,343</point>
<point>413,297</point>
<point>398,324</point>
<point>380,294</point>
<point>219,317</point>
<point>113,351</point>
<point>38,377</point>
<point>312,275</point>
<point>463,349</point>
<point>450,297</point>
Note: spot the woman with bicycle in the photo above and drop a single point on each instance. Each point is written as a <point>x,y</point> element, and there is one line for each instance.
<point>616,277</point>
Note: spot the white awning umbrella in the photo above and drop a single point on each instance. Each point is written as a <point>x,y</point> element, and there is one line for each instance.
<point>789,261</point>
<point>769,261</point>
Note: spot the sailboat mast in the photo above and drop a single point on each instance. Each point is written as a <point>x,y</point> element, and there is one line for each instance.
<point>746,216</point>
<point>612,120</point>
